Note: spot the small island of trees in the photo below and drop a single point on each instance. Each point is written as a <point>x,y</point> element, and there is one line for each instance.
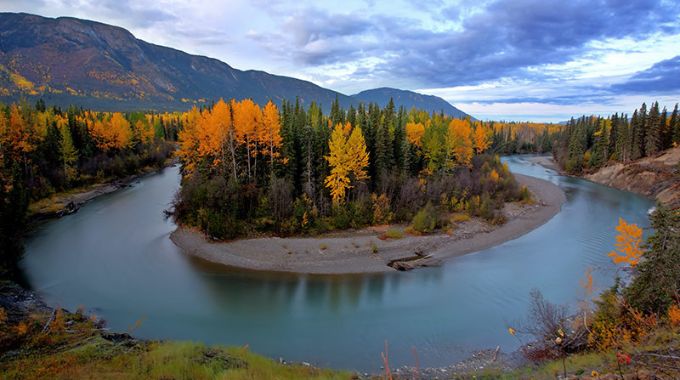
<point>251,170</point>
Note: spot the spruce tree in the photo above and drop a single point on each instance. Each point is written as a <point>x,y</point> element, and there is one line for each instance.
<point>635,145</point>
<point>653,131</point>
<point>675,126</point>
<point>623,139</point>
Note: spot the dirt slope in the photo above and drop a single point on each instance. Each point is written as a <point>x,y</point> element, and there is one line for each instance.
<point>657,177</point>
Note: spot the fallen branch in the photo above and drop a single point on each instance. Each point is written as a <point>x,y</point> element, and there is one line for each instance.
<point>659,355</point>
<point>495,354</point>
<point>49,321</point>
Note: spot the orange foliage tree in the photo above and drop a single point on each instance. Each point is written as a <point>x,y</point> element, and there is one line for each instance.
<point>414,133</point>
<point>113,133</point>
<point>270,134</point>
<point>247,121</point>
<point>628,244</point>
<point>482,138</point>
<point>459,141</point>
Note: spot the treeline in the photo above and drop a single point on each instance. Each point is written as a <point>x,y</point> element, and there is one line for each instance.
<point>250,169</point>
<point>591,142</point>
<point>523,137</point>
<point>47,150</point>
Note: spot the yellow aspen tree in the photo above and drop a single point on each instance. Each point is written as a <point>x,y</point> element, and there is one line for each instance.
<point>338,179</point>
<point>348,158</point>
<point>357,154</point>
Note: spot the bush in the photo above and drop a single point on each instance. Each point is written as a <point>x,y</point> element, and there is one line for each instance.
<point>393,233</point>
<point>382,213</point>
<point>342,218</point>
<point>460,217</point>
<point>616,322</point>
<point>425,220</point>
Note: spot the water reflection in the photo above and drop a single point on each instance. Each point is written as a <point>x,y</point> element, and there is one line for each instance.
<point>114,256</point>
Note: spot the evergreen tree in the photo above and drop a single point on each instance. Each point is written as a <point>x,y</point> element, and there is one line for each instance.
<point>623,139</point>
<point>576,147</point>
<point>636,136</point>
<point>666,133</point>
<point>600,149</point>
<point>653,131</point>
<point>675,126</point>
<point>69,155</point>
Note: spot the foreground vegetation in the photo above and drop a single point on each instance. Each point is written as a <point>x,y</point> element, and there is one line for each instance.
<point>638,317</point>
<point>63,345</point>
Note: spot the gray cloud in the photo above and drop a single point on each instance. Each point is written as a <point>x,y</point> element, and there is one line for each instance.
<point>664,76</point>
<point>503,39</point>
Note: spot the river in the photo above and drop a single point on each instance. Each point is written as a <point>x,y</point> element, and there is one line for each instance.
<point>114,257</point>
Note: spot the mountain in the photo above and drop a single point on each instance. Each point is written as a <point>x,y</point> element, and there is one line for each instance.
<point>409,99</point>
<point>67,60</point>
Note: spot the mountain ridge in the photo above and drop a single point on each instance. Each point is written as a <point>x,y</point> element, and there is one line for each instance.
<point>67,60</point>
<point>409,99</point>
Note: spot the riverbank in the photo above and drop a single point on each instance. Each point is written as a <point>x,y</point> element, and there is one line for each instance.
<point>655,177</point>
<point>68,202</point>
<point>365,252</point>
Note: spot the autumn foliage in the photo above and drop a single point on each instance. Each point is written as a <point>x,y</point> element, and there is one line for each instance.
<point>628,244</point>
<point>347,158</point>
<point>251,169</point>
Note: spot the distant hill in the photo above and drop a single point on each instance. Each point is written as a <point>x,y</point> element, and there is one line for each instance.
<point>72,61</point>
<point>409,99</point>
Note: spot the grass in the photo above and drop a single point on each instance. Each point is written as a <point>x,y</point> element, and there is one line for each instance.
<point>392,233</point>
<point>459,217</point>
<point>156,360</point>
<point>72,346</point>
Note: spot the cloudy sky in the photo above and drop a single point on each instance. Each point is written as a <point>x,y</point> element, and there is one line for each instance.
<point>541,60</point>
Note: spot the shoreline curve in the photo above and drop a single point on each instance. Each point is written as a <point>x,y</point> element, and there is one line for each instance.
<point>352,252</point>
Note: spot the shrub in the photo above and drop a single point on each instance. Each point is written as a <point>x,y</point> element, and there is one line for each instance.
<point>425,220</point>
<point>674,315</point>
<point>525,195</point>
<point>382,213</point>
<point>460,217</point>
<point>393,233</point>
<point>342,218</point>
<point>616,323</point>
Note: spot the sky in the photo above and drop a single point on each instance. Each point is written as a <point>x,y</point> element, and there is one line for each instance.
<point>538,60</point>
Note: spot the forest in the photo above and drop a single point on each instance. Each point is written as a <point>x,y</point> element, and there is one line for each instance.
<point>590,142</point>
<point>48,150</point>
<point>250,170</point>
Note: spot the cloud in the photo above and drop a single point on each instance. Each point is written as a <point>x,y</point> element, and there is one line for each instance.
<point>662,77</point>
<point>485,54</point>
<point>503,38</point>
